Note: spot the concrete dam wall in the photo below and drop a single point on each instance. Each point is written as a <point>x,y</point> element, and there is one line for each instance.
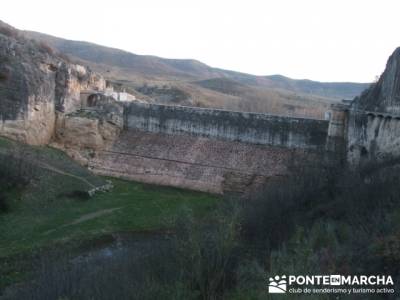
<point>227,125</point>
<point>191,162</point>
<point>208,150</point>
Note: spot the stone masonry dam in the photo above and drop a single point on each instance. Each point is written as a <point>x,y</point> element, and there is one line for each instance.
<point>207,149</point>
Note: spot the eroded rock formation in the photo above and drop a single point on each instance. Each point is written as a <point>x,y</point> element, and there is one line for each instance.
<point>374,118</point>
<point>35,86</point>
<point>384,95</point>
<point>86,131</point>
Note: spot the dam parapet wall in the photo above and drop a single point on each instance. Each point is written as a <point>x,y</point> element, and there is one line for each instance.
<point>249,128</point>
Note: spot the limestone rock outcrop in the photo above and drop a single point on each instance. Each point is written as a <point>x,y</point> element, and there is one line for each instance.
<point>384,95</point>
<point>94,128</point>
<point>374,118</point>
<point>35,85</point>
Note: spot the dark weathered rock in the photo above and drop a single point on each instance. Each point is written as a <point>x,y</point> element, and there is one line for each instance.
<point>374,118</point>
<point>383,96</point>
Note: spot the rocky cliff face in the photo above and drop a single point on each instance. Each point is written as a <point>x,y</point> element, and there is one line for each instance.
<point>35,85</point>
<point>374,121</point>
<point>383,96</point>
<point>82,133</point>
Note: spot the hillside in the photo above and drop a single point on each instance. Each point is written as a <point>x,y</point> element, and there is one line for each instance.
<point>187,69</point>
<point>203,85</point>
<point>145,65</point>
<point>342,90</point>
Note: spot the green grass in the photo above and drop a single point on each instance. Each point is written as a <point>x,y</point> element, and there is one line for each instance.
<point>27,231</point>
<point>50,212</point>
<point>128,207</point>
<point>4,142</point>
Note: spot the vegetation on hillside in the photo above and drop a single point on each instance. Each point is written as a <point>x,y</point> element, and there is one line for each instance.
<point>324,220</point>
<point>165,94</point>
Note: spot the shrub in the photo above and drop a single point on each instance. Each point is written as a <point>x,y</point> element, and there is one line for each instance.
<point>79,195</point>
<point>3,203</point>
<point>348,224</point>
<point>45,48</point>
<point>250,275</point>
<point>207,253</point>
<point>64,57</point>
<point>4,76</point>
<point>17,168</point>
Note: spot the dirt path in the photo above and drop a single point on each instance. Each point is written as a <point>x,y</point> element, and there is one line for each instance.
<point>85,218</point>
<point>93,215</point>
<point>53,169</point>
<point>56,170</point>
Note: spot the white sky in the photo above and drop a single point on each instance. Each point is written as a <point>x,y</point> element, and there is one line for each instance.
<point>326,40</point>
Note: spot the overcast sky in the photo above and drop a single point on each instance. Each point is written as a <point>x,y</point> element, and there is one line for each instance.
<point>325,40</point>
